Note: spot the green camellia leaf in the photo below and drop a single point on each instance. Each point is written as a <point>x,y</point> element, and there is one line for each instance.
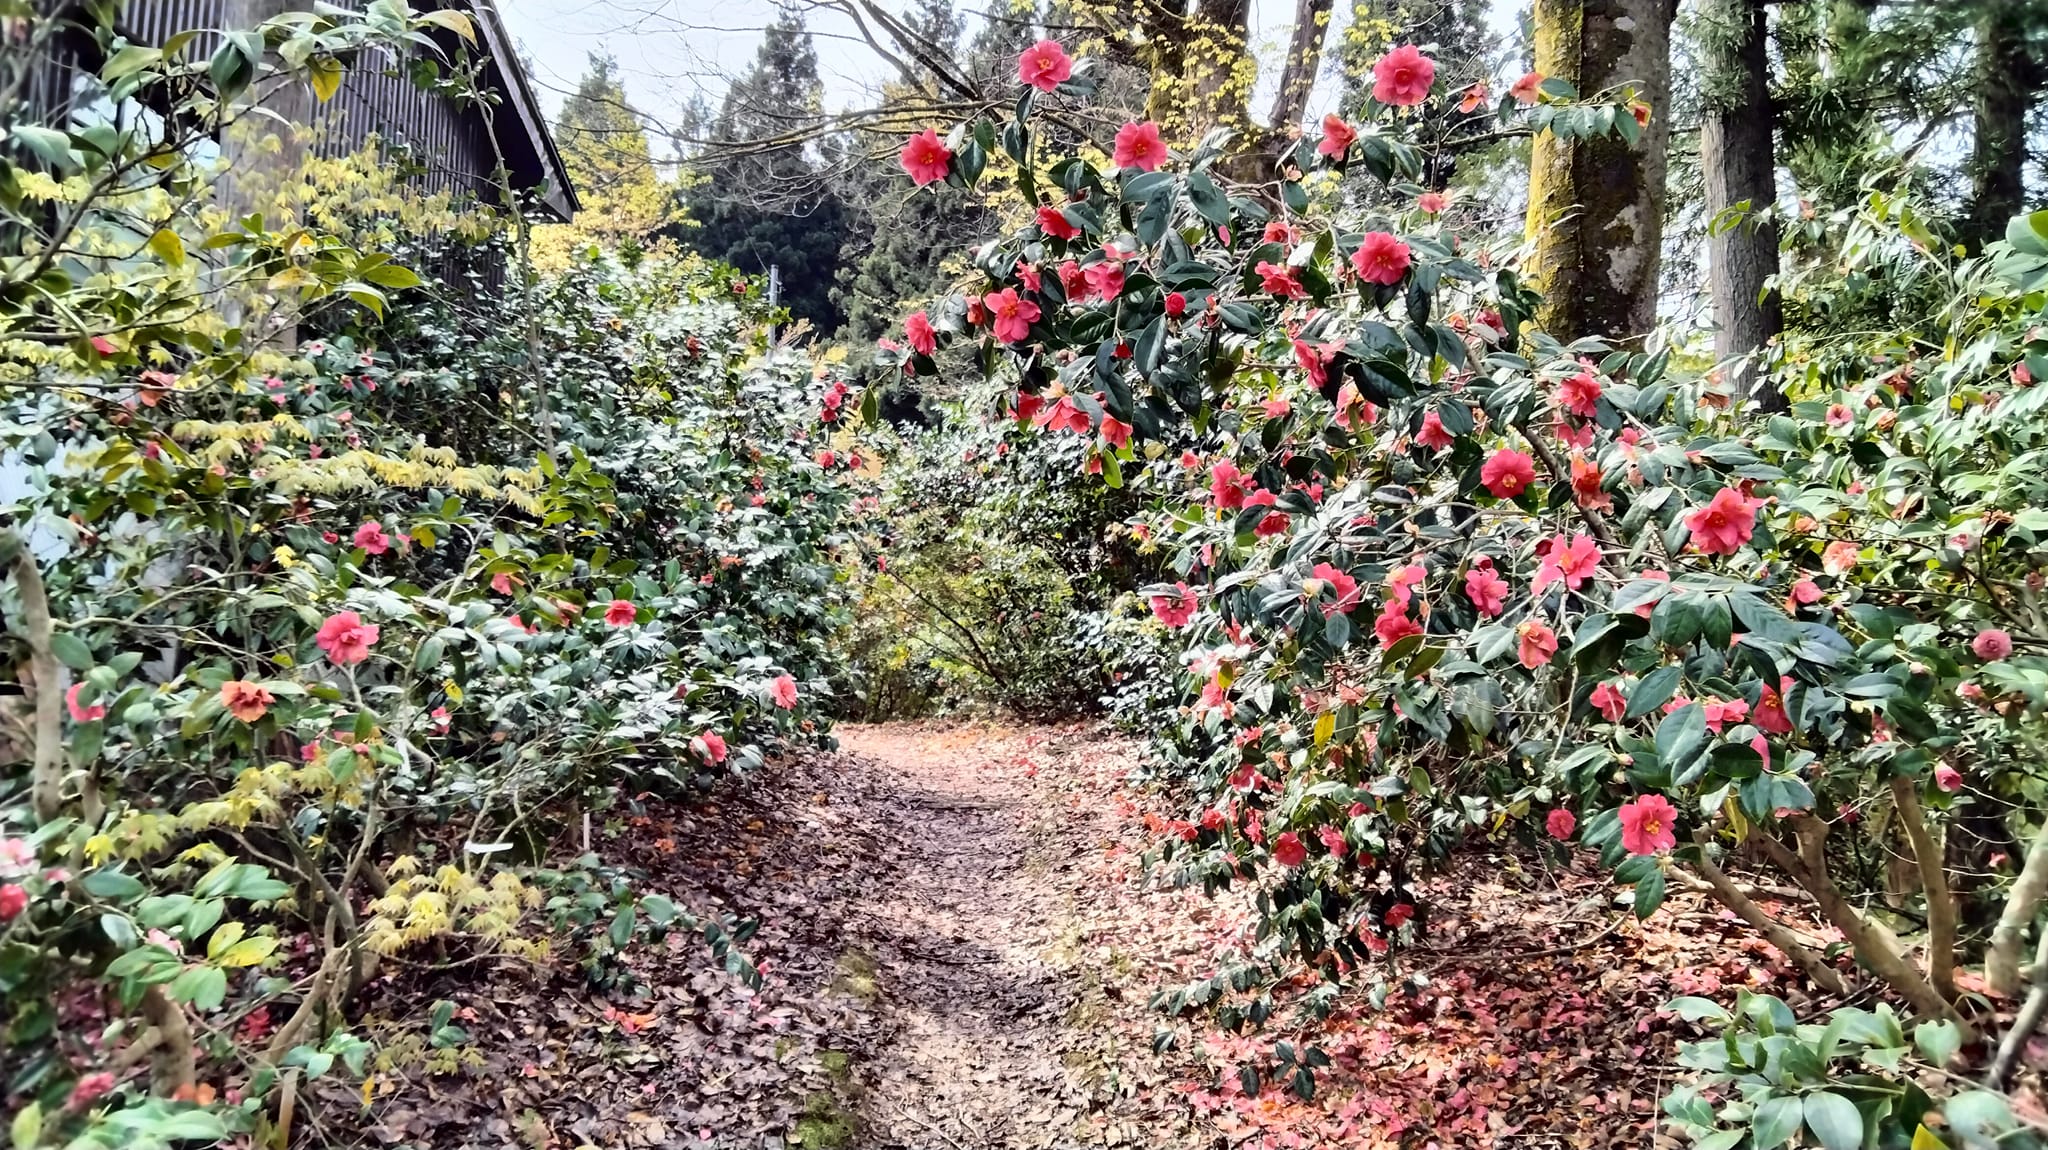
<point>1776,1120</point>
<point>1834,1121</point>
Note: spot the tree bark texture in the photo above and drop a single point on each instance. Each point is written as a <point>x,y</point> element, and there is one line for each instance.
<point>1739,162</point>
<point>2006,74</point>
<point>1596,207</point>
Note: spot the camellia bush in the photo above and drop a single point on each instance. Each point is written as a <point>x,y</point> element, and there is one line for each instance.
<point>323,644</point>
<point>1444,576</point>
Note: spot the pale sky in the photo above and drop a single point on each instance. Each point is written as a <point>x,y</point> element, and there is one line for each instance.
<point>670,49</point>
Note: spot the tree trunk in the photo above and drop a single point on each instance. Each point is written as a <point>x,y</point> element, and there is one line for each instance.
<point>2005,95</point>
<point>1596,207</point>
<point>1740,166</point>
<point>1220,67</point>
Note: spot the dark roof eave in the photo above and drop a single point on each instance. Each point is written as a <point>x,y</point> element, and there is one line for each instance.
<point>560,198</point>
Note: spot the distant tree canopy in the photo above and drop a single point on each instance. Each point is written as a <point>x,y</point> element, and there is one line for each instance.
<point>761,198</point>
<point>626,203</point>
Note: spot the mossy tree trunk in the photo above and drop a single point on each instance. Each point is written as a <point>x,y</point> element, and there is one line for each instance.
<point>2007,75</point>
<point>1596,206</point>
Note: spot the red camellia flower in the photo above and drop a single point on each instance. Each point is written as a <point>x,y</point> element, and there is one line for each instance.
<point>1288,850</point>
<point>345,639</point>
<point>1610,702</point>
<point>712,746</point>
<point>1012,316</point>
<point>1535,644</point>
<point>1580,395</point>
<point>782,689</point>
<point>1769,714</point>
<point>1473,97</point>
<point>244,700</point>
<point>1560,823</point>
<point>1045,66</point>
<point>82,713</point>
<point>1433,435</point>
<point>926,158</point>
<point>1381,258</point>
<point>13,900</point>
<point>1574,562</point>
<point>1028,404</point>
<point>371,538</point>
<point>1991,644</point>
<point>922,336</point>
<point>1723,525</point>
<point>1587,484</point>
<point>1115,432</point>
<point>1176,609</point>
<point>1399,913</point>
<point>621,612</point>
<point>1528,88</point>
<point>1393,623</point>
<point>1487,590</point>
<point>1402,77</point>
<point>1507,473</point>
<point>1279,280</point>
<point>1338,137</point>
<point>1176,304</point>
<point>1139,146</point>
<point>1064,414</point>
<point>1054,223</point>
<point>89,1089</point>
<point>1647,825</point>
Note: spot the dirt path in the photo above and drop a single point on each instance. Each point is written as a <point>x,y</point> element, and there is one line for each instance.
<point>956,954</point>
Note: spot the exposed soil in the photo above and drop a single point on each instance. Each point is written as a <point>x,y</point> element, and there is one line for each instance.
<point>957,952</point>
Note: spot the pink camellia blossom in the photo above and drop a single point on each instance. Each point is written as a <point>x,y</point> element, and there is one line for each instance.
<point>621,612</point>
<point>1138,146</point>
<point>1280,232</point>
<point>1404,579</point>
<point>1045,66</point>
<point>1769,714</point>
<point>1535,644</point>
<point>1073,281</point>
<point>1991,644</point>
<point>1338,137</point>
<point>1333,840</point>
<point>1643,610</point>
<point>13,900</point>
<point>1012,316</point>
<point>926,158</point>
<point>1343,588</point>
<point>1381,258</point>
<point>782,689</point>
<point>1647,825</point>
<point>1580,395</point>
<point>1288,850</point>
<point>1115,432</point>
<point>1803,593</point>
<point>245,700</point>
<point>1433,434</point>
<point>1720,714</point>
<point>502,583</point>
<point>1226,486</point>
<point>1507,473</point>
<point>1105,281</point>
<point>82,713</point>
<point>1278,280</point>
<point>441,719</point>
<point>17,855</point>
<point>1560,823</point>
<point>920,334</point>
<point>713,746</point>
<point>1527,89</point>
<point>1573,561</point>
<point>1393,623</point>
<point>1610,702</point>
<point>1487,590</point>
<point>1402,77</point>
<point>1275,408</point>
<point>1054,223</point>
<point>1948,778</point>
<point>1431,203</point>
<point>825,458</point>
<point>345,639</point>
<point>1475,95</point>
<point>1840,557</point>
<point>1841,415</point>
<point>371,538</point>
<point>1724,524</point>
<point>1065,415</point>
<point>90,1089</point>
<point>1177,608</point>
